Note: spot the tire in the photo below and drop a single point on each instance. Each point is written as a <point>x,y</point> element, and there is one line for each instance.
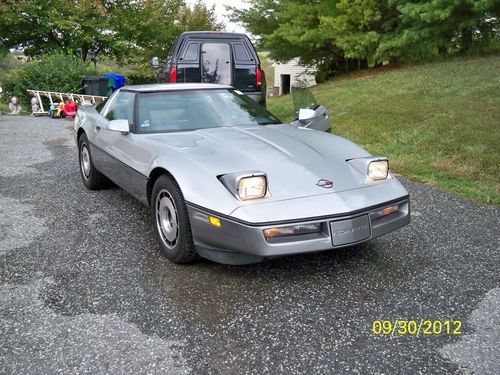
<point>91,177</point>
<point>170,220</point>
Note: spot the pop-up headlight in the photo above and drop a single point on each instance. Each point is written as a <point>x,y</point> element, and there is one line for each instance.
<point>246,185</point>
<point>376,168</point>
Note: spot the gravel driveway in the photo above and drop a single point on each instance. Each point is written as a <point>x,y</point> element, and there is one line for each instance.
<point>83,288</point>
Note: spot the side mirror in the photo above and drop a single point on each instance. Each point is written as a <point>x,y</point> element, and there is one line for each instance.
<point>154,62</point>
<point>121,126</point>
<point>306,114</point>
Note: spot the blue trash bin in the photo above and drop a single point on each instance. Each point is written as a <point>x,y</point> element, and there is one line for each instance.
<point>118,79</point>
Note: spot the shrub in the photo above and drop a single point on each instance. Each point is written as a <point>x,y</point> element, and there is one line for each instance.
<point>302,97</point>
<point>8,63</point>
<point>55,72</point>
<point>135,72</point>
<point>137,79</point>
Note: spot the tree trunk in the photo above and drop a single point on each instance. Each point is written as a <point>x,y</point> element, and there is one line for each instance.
<point>94,57</point>
<point>85,53</point>
<point>466,40</point>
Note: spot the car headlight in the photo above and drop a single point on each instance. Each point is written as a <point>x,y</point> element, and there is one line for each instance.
<point>252,187</point>
<point>374,167</point>
<point>378,169</point>
<point>246,185</point>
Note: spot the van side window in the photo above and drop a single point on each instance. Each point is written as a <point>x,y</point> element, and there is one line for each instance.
<point>191,52</point>
<point>240,52</point>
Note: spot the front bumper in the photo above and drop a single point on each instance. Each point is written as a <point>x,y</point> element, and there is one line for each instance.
<point>234,236</point>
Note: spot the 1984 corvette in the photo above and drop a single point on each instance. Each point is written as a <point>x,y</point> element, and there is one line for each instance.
<point>226,180</point>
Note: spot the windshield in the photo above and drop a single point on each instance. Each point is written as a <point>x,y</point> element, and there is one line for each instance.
<point>198,109</point>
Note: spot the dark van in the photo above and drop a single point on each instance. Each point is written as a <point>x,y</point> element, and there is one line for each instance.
<point>215,57</point>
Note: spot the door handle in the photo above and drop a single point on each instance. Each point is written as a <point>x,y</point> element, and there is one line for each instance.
<point>97,128</point>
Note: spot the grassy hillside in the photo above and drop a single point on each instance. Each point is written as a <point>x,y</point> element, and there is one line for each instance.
<point>438,123</point>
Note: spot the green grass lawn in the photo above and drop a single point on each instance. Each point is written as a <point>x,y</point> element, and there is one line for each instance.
<point>439,123</point>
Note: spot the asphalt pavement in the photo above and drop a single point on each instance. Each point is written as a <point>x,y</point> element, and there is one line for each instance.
<point>84,289</point>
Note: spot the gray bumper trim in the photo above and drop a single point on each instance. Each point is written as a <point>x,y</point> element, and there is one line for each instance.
<point>299,220</point>
<point>235,237</point>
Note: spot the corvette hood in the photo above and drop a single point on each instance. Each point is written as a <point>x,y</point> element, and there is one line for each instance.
<point>294,159</point>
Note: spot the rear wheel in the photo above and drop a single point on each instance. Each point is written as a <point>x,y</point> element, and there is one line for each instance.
<point>91,177</point>
<point>171,221</point>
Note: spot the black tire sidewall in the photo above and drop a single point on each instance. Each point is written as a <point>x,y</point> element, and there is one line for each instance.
<point>90,182</point>
<point>184,249</point>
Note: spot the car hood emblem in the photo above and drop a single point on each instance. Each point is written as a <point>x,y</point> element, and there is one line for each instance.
<point>327,184</point>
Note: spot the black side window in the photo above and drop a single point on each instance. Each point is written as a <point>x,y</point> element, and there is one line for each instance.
<point>191,52</point>
<point>101,105</point>
<point>122,107</point>
<point>168,60</point>
<point>240,52</point>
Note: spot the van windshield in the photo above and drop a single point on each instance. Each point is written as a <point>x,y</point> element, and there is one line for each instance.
<point>183,110</point>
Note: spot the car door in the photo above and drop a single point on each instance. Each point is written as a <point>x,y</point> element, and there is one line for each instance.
<point>113,152</point>
<point>216,63</point>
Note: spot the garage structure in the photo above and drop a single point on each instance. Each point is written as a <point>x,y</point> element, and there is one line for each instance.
<point>291,73</point>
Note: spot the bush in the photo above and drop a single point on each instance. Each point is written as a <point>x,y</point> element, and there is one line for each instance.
<point>55,72</point>
<point>302,97</point>
<point>138,79</point>
<point>8,63</point>
<point>135,72</point>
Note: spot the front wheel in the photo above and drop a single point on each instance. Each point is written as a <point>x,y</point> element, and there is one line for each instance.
<point>171,221</point>
<point>91,177</point>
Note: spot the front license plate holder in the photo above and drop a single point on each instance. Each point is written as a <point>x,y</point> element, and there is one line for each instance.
<point>350,230</point>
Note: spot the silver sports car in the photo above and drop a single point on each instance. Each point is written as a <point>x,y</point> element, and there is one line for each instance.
<point>226,180</point>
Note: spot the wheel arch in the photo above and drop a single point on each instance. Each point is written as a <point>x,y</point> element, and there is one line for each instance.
<point>153,176</point>
<point>79,133</point>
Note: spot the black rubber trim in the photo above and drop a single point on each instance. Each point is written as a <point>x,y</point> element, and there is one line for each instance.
<point>177,88</point>
<point>313,218</point>
<point>118,160</point>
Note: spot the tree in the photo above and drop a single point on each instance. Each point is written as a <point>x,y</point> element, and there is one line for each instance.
<point>355,28</point>
<point>260,19</point>
<point>122,29</point>
<point>448,24</point>
<point>289,28</point>
<point>199,17</point>
<point>156,25</point>
<point>41,26</point>
<point>330,33</point>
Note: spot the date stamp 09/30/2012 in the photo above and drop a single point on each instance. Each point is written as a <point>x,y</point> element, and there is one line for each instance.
<point>417,327</point>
